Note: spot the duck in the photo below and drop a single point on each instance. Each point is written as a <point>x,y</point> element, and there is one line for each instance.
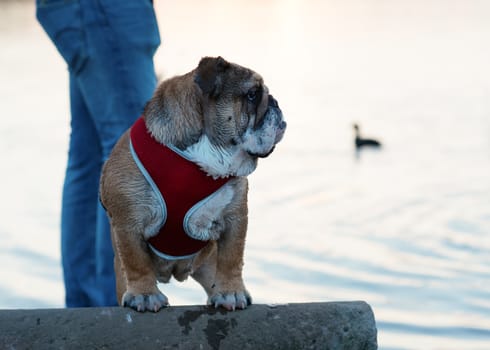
<point>364,142</point>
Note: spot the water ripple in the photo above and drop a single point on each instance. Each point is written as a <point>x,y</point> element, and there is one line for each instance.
<point>440,331</point>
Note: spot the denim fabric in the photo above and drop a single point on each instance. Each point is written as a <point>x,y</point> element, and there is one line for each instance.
<point>108,46</point>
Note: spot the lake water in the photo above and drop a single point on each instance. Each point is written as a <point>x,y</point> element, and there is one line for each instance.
<point>406,228</point>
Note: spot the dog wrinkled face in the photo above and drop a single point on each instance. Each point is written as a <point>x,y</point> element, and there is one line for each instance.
<point>242,121</point>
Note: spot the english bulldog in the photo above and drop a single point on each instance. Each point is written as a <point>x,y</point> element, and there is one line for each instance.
<point>175,185</point>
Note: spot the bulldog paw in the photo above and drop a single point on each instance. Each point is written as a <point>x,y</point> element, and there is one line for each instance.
<point>143,302</point>
<point>231,301</point>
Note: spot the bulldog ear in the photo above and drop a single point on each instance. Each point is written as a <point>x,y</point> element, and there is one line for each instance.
<point>208,74</point>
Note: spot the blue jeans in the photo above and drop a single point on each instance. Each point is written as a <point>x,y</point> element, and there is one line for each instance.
<point>108,46</point>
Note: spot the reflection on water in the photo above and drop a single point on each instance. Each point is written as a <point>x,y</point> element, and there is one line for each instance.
<point>406,228</point>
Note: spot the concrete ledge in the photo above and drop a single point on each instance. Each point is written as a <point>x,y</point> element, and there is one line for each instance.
<point>336,325</point>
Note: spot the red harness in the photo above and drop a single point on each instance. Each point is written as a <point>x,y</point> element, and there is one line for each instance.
<point>181,183</point>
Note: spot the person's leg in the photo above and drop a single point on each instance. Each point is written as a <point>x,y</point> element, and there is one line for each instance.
<point>62,21</point>
<point>119,78</point>
<point>79,205</point>
<point>116,82</point>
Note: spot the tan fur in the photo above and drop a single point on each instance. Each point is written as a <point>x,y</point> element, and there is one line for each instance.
<point>184,109</point>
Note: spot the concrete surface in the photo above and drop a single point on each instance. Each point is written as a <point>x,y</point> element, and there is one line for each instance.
<point>335,325</point>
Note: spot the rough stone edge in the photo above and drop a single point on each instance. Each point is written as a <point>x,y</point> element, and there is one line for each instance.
<point>332,325</point>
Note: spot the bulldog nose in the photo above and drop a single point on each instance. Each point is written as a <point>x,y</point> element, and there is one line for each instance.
<point>273,102</point>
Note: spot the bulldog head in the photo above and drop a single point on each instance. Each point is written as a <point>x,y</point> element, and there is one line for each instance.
<point>230,119</point>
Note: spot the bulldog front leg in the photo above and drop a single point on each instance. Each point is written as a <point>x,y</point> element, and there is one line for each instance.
<point>228,289</point>
<point>220,272</point>
<point>221,276</point>
<point>136,280</point>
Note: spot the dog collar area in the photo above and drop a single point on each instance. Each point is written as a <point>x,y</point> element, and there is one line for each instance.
<point>180,186</point>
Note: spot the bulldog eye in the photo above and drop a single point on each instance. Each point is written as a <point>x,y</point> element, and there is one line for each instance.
<point>252,95</point>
